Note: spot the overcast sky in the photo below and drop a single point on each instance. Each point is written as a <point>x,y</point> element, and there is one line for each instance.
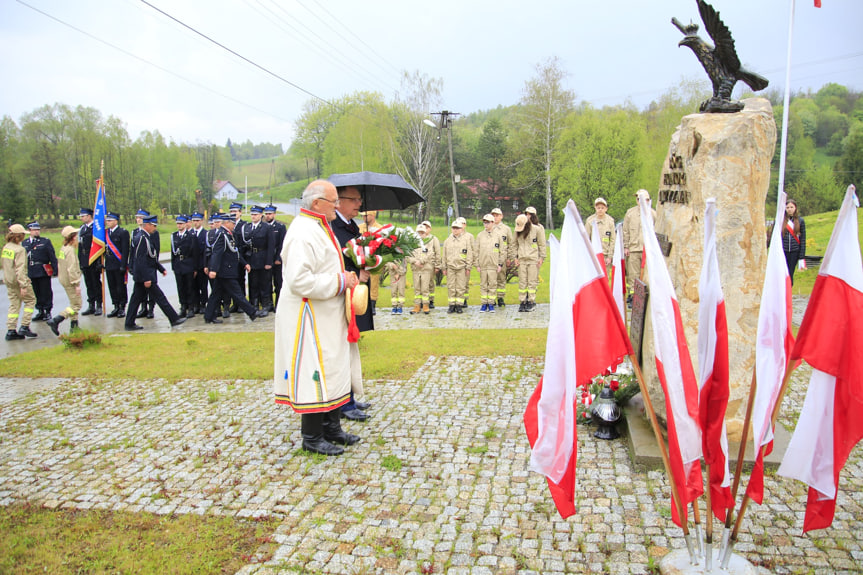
<point>157,74</point>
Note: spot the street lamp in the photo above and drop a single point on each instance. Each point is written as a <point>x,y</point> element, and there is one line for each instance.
<point>446,123</point>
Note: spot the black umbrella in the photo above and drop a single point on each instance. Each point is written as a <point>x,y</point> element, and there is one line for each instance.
<point>379,191</point>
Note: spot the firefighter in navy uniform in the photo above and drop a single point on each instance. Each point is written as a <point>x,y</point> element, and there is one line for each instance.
<point>147,305</point>
<point>41,267</point>
<point>145,271</point>
<point>260,248</point>
<point>225,264</point>
<point>116,263</point>
<point>184,259</point>
<point>279,229</point>
<point>92,272</point>
<point>210,237</point>
<point>241,239</point>
<point>197,221</point>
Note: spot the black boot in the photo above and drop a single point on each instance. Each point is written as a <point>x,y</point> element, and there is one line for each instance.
<point>312,428</point>
<point>521,306</point>
<point>500,302</point>
<point>98,309</point>
<point>39,315</point>
<point>121,311</point>
<point>450,310</point>
<point>12,334</point>
<point>89,311</point>
<point>373,302</point>
<point>182,312</point>
<point>24,330</point>
<point>333,429</point>
<point>113,312</point>
<point>150,314</point>
<point>459,308</point>
<point>142,312</point>
<point>54,323</point>
<point>73,325</point>
<point>431,303</point>
<point>46,315</point>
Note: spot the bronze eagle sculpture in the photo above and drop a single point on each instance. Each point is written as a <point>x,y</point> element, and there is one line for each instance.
<point>720,62</point>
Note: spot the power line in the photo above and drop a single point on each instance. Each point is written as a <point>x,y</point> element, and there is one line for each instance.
<point>145,61</point>
<point>238,55</point>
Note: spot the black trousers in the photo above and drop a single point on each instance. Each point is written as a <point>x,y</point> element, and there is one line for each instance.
<point>139,293</point>
<point>116,280</point>
<point>43,292</point>
<point>93,281</point>
<point>226,289</point>
<point>201,289</point>
<point>277,280</point>
<point>186,289</point>
<point>260,288</point>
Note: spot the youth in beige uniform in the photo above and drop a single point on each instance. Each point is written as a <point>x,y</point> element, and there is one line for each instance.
<point>436,245</point>
<point>398,282</point>
<point>69,275</point>
<point>490,259</point>
<point>506,240</point>
<point>18,285</point>
<point>457,256</point>
<point>605,224</point>
<point>633,243</point>
<point>423,262</point>
<point>529,253</point>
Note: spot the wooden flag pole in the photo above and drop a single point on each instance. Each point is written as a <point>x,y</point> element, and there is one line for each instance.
<point>708,544</point>
<point>745,503</point>
<point>675,495</point>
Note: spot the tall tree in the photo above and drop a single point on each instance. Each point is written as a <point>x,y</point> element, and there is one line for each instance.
<point>416,147</point>
<point>492,153</point>
<point>544,105</point>
<point>313,125</point>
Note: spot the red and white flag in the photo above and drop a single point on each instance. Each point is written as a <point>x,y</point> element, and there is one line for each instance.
<point>596,244</point>
<point>674,367</point>
<point>713,369</point>
<point>830,339</point>
<point>618,274</point>
<point>773,345</point>
<point>585,336</point>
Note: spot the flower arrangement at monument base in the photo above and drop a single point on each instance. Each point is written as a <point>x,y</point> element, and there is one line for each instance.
<point>373,250</point>
<point>623,385</point>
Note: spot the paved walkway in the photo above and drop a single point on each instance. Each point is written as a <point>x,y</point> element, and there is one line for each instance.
<point>445,488</point>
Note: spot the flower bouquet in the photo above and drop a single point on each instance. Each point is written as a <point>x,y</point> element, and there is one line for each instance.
<point>373,250</point>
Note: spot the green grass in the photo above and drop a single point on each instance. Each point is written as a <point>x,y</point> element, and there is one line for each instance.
<point>211,355</point>
<point>47,541</point>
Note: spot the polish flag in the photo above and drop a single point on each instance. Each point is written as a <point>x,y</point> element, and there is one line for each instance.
<point>618,273</point>
<point>773,345</point>
<point>818,3</point>
<point>674,368</point>
<point>830,339</point>
<point>713,369</point>
<point>585,336</point>
<point>596,244</point>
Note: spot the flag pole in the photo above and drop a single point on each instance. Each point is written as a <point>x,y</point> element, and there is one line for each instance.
<point>789,369</point>
<point>654,423</point>
<point>696,521</point>
<point>102,257</point>
<point>738,471</point>
<point>708,545</point>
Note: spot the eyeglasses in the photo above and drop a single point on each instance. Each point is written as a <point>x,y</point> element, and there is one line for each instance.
<point>335,202</point>
<point>351,198</point>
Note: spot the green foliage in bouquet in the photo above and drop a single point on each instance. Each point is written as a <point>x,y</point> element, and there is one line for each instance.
<point>624,386</point>
<point>373,250</point>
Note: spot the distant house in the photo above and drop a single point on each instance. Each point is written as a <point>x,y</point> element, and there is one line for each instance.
<point>225,190</point>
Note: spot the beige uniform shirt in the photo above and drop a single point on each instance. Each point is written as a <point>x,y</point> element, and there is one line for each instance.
<point>68,270</point>
<point>529,249</point>
<point>632,238</point>
<point>506,236</point>
<point>14,258</point>
<point>457,252</point>
<point>490,251</point>
<point>606,232</point>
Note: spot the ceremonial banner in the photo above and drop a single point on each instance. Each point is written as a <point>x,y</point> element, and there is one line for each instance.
<point>97,248</point>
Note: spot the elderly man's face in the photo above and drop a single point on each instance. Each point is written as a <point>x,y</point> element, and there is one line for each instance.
<point>351,201</point>
<point>327,204</point>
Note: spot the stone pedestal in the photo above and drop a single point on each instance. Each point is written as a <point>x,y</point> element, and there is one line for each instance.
<point>725,156</point>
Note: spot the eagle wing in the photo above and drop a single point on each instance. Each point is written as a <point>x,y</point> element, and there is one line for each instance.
<point>721,36</point>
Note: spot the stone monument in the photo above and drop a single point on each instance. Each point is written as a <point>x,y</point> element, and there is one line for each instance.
<point>725,156</point>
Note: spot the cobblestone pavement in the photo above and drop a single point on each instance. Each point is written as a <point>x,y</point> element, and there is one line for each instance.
<point>440,482</point>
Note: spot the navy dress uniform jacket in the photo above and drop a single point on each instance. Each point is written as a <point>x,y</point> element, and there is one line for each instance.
<point>184,253</point>
<point>260,241</point>
<point>40,252</point>
<point>225,258</point>
<point>120,239</point>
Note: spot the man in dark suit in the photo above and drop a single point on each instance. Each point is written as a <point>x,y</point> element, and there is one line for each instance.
<point>345,229</point>
<point>279,230</point>
<point>145,258</point>
<point>225,264</point>
<point>200,277</point>
<point>92,272</point>
<point>116,263</point>
<point>241,239</point>
<point>41,266</point>
<point>260,248</point>
<point>184,259</point>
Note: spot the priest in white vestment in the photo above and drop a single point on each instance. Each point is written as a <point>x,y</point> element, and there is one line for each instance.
<point>312,354</point>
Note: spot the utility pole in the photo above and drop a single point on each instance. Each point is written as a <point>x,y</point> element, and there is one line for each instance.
<point>446,124</point>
